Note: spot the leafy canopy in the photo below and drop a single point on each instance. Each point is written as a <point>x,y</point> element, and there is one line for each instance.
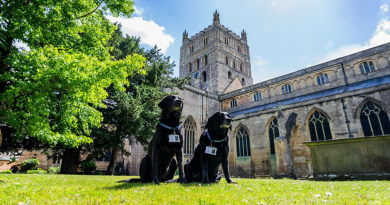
<point>52,91</point>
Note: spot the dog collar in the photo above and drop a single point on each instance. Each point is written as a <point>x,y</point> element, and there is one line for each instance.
<point>171,128</point>
<point>208,135</point>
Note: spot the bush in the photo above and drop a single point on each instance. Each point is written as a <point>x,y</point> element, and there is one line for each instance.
<point>38,171</point>
<point>6,172</point>
<point>54,170</point>
<point>30,164</point>
<point>88,166</point>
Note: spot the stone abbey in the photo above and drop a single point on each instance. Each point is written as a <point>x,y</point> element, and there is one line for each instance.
<point>345,98</point>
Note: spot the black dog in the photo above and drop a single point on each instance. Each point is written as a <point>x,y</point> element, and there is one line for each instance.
<point>159,163</point>
<point>203,167</point>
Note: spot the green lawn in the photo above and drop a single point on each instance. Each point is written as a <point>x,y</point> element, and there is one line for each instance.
<point>78,189</point>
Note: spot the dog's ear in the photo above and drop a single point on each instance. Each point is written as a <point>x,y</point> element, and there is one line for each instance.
<point>163,103</point>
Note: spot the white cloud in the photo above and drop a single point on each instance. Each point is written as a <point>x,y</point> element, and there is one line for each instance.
<point>138,11</point>
<point>273,3</point>
<point>384,8</point>
<point>151,33</point>
<point>261,71</point>
<point>380,36</point>
<point>329,45</point>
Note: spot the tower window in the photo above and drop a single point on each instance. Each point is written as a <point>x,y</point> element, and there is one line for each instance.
<point>239,48</point>
<point>234,64</point>
<point>191,48</point>
<point>226,40</point>
<point>229,75</point>
<point>286,88</point>
<point>189,68</point>
<point>241,67</point>
<point>257,96</point>
<point>227,60</point>
<point>205,41</point>
<point>204,75</point>
<point>233,103</point>
<point>366,67</point>
<point>197,64</point>
<point>243,82</point>
<point>205,59</point>
<point>322,79</point>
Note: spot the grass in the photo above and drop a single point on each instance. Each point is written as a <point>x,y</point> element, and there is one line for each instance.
<point>78,189</point>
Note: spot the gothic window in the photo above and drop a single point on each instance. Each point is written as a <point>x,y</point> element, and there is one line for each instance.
<point>239,48</point>
<point>286,88</point>
<point>242,142</point>
<point>233,103</point>
<point>366,67</point>
<point>197,64</point>
<point>205,41</point>
<point>191,48</point>
<point>205,59</point>
<point>189,68</point>
<point>241,67</point>
<point>105,158</point>
<point>56,160</point>
<point>226,40</point>
<point>257,96</point>
<point>227,60</point>
<point>204,76</point>
<point>189,135</point>
<point>319,127</point>
<point>273,132</point>
<point>322,79</point>
<point>229,75</point>
<point>243,82</point>
<point>234,64</point>
<point>374,120</point>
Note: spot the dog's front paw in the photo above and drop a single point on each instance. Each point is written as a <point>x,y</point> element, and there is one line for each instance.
<point>204,181</point>
<point>231,181</point>
<point>182,180</point>
<point>156,181</point>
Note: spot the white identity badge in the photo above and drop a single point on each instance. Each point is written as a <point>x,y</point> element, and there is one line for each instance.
<point>174,138</point>
<point>211,150</point>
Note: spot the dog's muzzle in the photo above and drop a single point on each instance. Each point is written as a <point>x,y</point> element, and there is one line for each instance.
<point>226,124</point>
<point>178,104</point>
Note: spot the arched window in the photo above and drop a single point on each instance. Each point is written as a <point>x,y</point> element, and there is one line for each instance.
<point>189,68</point>
<point>374,120</point>
<point>227,60</point>
<point>197,64</point>
<point>286,88</point>
<point>319,127</point>
<point>257,96</point>
<point>241,67</point>
<point>234,63</point>
<point>229,75</point>
<point>204,75</point>
<point>366,67</point>
<point>273,132</point>
<point>191,48</point>
<point>233,103</point>
<point>239,48</point>
<point>322,79</point>
<point>242,142</point>
<point>243,82</point>
<point>189,135</point>
<point>205,41</point>
<point>205,59</point>
<point>226,40</point>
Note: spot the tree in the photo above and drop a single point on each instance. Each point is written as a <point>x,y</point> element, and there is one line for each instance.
<point>52,91</point>
<point>133,113</point>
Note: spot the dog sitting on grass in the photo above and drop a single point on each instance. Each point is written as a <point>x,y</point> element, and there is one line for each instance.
<point>211,152</point>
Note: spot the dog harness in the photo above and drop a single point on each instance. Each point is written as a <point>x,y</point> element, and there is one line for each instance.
<point>171,128</point>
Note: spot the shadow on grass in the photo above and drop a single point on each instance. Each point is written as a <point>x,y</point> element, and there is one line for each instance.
<point>127,185</point>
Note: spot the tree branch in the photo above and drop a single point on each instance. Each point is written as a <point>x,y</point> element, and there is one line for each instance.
<point>85,15</point>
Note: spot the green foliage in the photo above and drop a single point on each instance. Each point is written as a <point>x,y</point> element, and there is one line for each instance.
<point>52,91</point>
<point>7,171</point>
<point>54,170</point>
<point>38,171</point>
<point>82,189</point>
<point>88,166</point>
<point>29,164</point>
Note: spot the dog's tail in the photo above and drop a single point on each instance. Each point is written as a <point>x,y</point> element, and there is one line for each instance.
<point>130,181</point>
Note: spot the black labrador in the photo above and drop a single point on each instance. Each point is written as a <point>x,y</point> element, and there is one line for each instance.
<point>211,152</point>
<point>159,164</point>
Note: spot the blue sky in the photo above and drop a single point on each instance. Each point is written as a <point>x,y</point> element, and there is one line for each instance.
<point>283,35</point>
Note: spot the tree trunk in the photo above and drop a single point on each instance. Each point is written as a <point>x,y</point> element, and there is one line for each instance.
<point>114,157</point>
<point>70,161</point>
<point>1,138</point>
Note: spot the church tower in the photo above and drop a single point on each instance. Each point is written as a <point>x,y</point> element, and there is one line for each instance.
<point>215,57</point>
